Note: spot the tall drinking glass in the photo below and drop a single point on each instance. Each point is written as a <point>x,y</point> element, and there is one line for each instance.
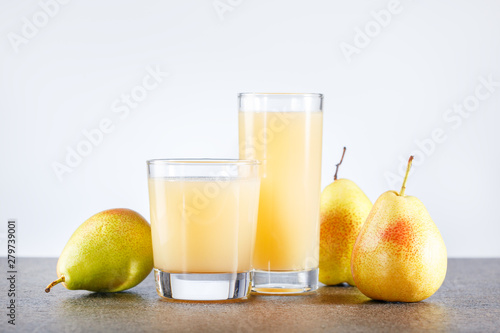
<point>203,222</point>
<point>284,132</point>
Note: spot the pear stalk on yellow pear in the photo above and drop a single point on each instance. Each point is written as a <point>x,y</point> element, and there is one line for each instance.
<point>399,255</point>
<point>344,208</point>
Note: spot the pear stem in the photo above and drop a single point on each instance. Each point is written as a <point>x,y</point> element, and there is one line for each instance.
<point>337,165</point>
<point>403,188</point>
<point>53,283</point>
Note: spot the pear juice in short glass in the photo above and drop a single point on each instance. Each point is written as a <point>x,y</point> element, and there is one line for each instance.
<point>203,232</point>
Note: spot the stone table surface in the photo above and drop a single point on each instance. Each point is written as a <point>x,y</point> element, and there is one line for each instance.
<point>468,301</point>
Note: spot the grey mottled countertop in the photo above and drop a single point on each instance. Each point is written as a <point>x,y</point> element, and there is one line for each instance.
<point>468,301</point>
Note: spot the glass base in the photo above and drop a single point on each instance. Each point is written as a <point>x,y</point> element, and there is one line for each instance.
<point>203,287</point>
<point>292,282</point>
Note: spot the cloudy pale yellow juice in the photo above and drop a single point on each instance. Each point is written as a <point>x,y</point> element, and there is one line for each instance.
<point>203,225</point>
<point>289,146</point>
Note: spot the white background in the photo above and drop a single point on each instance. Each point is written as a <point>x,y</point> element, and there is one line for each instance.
<point>393,92</point>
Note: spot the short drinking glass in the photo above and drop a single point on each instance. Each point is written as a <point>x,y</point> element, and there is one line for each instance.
<point>203,224</point>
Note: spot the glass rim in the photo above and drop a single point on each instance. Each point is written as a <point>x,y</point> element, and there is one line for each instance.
<point>202,161</point>
<point>243,94</point>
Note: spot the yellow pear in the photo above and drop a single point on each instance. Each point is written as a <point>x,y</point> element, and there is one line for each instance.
<point>111,251</point>
<point>344,208</point>
<point>399,255</point>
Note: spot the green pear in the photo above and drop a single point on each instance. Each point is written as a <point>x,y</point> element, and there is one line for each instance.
<point>399,255</point>
<point>111,251</point>
<point>344,208</point>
